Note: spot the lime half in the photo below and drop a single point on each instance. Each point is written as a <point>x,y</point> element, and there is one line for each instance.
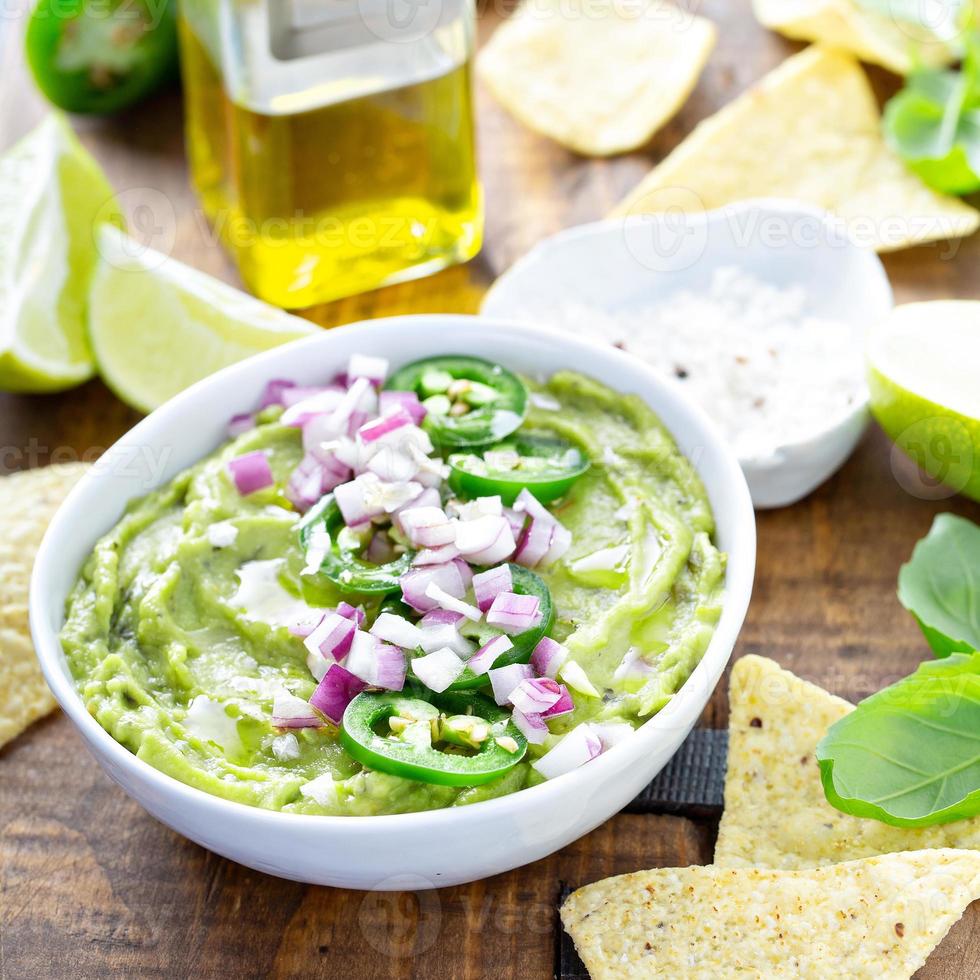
<point>924,365</point>
<point>157,325</point>
<point>52,194</point>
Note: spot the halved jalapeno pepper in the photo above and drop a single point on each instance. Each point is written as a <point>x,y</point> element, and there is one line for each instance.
<point>446,739</point>
<point>341,565</point>
<point>470,401</point>
<point>546,465</point>
<point>525,583</point>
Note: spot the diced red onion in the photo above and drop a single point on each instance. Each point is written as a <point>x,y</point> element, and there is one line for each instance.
<point>440,617</point>
<point>307,623</point>
<point>376,663</point>
<point>534,542</point>
<point>438,670</point>
<point>350,612</point>
<point>446,601</point>
<point>548,657</point>
<point>579,746</point>
<point>436,556</point>
<point>513,613</point>
<point>561,541</point>
<point>415,582</point>
<point>489,584</point>
<point>562,706</point>
<point>299,393</point>
<point>488,654</point>
<point>251,472</point>
<point>576,678</point>
<point>408,400</point>
<point>374,430</point>
<point>240,424</point>
<point>527,503</point>
<point>375,369</point>
<point>337,689</point>
<point>320,403</point>
<point>289,711</point>
<point>352,499</point>
<point>273,392</point>
<point>332,638</point>
<point>391,465</point>
<point>428,497</point>
<point>504,680</point>
<point>532,726</point>
<point>465,572</point>
<point>427,527</point>
<point>536,695</point>
<point>470,510</point>
<point>516,521</point>
<point>485,540</point>
<point>437,635</point>
<point>397,630</point>
<point>341,416</point>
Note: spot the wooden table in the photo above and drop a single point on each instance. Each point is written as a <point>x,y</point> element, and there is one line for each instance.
<point>91,886</point>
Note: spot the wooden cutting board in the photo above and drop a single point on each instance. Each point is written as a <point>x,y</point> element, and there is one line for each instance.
<point>91,886</point>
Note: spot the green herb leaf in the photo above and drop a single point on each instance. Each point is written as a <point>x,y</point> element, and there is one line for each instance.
<point>934,124</point>
<point>909,755</point>
<point>940,586</point>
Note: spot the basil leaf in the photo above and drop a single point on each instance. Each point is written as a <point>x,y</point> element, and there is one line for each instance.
<point>933,124</point>
<point>940,586</point>
<point>909,755</point>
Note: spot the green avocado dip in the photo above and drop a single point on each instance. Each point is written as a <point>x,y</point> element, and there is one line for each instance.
<point>194,630</point>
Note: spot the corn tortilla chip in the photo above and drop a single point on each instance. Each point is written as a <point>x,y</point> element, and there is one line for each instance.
<point>28,501</point>
<point>871,35</point>
<point>599,76</point>
<point>776,815</point>
<point>878,918</point>
<point>810,131</point>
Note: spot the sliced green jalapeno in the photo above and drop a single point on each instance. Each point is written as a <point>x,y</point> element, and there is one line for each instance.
<point>341,565</point>
<point>402,735</point>
<point>469,401</point>
<point>100,56</point>
<point>525,583</point>
<point>545,465</point>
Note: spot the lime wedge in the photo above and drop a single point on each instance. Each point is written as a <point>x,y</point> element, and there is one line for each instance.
<point>923,376</point>
<point>157,325</point>
<point>52,194</point>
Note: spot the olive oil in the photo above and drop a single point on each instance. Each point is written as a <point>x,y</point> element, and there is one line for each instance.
<point>340,197</point>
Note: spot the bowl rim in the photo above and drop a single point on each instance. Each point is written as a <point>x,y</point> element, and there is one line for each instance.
<point>834,225</point>
<point>740,573</point>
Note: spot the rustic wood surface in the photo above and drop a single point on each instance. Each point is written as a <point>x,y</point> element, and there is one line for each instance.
<point>91,886</point>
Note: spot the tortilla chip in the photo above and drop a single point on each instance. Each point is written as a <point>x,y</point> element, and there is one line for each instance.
<point>599,76</point>
<point>776,815</point>
<point>877,918</point>
<point>872,36</point>
<point>810,130</point>
<point>28,501</point>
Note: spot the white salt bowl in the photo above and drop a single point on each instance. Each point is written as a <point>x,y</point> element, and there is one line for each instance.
<point>621,265</point>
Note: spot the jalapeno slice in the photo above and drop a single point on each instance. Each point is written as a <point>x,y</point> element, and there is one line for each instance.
<point>100,57</point>
<point>341,565</point>
<point>469,401</point>
<point>526,582</point>
<point>546,465</point>
<point>402,735</point>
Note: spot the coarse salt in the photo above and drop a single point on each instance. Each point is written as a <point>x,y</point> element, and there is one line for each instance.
<point>767,372</point>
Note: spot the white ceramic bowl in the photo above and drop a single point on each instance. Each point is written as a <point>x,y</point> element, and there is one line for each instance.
<point>416,850</point>
<point>619,265</point>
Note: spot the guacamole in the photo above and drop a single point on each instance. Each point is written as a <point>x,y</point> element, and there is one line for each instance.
<point>184,631</point>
